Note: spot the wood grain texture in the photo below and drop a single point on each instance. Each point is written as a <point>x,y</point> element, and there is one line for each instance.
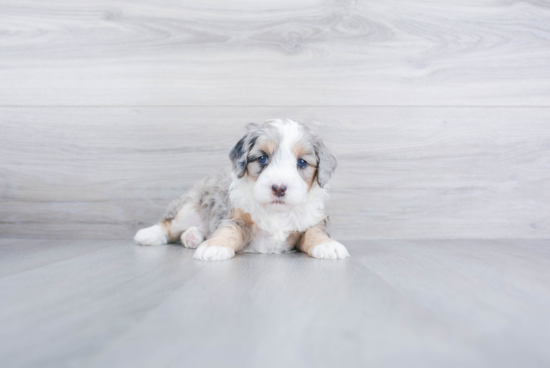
<point>315,52</point>
<point>392,304</point>
<point>409,172</point>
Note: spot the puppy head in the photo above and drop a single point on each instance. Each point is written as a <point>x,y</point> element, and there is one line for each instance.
<point>282,160</point>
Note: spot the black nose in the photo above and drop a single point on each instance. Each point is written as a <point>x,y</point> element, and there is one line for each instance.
<point>278,190</point>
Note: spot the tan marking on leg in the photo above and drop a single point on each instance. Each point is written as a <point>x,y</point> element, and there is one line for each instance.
<point>293,238</point>
<point>188,216</point>
<point>313,236</point>
<point>238,214</point>
<point>229,235</point>
<point>166,225</point>
<point>234,233</point>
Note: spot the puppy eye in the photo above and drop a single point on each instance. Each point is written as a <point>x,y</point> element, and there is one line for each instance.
<point>302,163</point>
<point>262,160</point>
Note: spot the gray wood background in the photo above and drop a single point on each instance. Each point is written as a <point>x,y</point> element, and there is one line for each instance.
<point>439,112</point>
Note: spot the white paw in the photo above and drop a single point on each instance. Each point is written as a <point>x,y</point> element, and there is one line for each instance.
<point>213,253</point>
<point>192,237</point>
<point>330,250</point>
<point>153,235</point>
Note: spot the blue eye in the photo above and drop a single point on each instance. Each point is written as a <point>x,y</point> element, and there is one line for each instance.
<point>262,160</point>
<point>302,163</point>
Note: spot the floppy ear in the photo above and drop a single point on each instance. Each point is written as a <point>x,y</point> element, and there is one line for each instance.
<point>239,153</point>
<point>326,162</point>
<point>238,158</point>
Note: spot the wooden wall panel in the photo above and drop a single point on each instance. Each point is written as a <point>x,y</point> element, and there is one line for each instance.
<point>408,172</point>
<point>275,53</point>
<point>439,112</point>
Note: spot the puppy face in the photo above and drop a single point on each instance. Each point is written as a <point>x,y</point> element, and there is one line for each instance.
<point>281,160</point>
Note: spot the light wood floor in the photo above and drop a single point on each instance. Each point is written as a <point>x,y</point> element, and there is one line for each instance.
<point>99,303</point>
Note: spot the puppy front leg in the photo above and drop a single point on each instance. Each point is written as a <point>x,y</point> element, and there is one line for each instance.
<point>317,244</point>
<point>229,238</point>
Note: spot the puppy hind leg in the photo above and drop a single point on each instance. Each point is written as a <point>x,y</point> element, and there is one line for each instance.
<point>153,235</point>
<point>158,234</point>
<point>187,218</point>
<point>179,217</point>
<point>192,237</point>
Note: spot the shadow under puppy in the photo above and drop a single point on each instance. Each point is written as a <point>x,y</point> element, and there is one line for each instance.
<point>272,202</point>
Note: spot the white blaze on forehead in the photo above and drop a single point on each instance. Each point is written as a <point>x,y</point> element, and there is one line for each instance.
<point>290,133</point>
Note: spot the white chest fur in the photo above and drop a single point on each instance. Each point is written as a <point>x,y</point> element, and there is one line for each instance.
<point>273,228</point>
<point>264,242</point>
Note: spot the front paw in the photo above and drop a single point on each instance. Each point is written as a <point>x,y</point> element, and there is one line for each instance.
<point>206,252</point>
<point>330,250</point>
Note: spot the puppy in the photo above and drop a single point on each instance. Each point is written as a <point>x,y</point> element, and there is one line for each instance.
<point>273,201</point>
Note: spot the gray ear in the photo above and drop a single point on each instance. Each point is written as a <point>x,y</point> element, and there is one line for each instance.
<point>239,153</point>
<point>327,162</point>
